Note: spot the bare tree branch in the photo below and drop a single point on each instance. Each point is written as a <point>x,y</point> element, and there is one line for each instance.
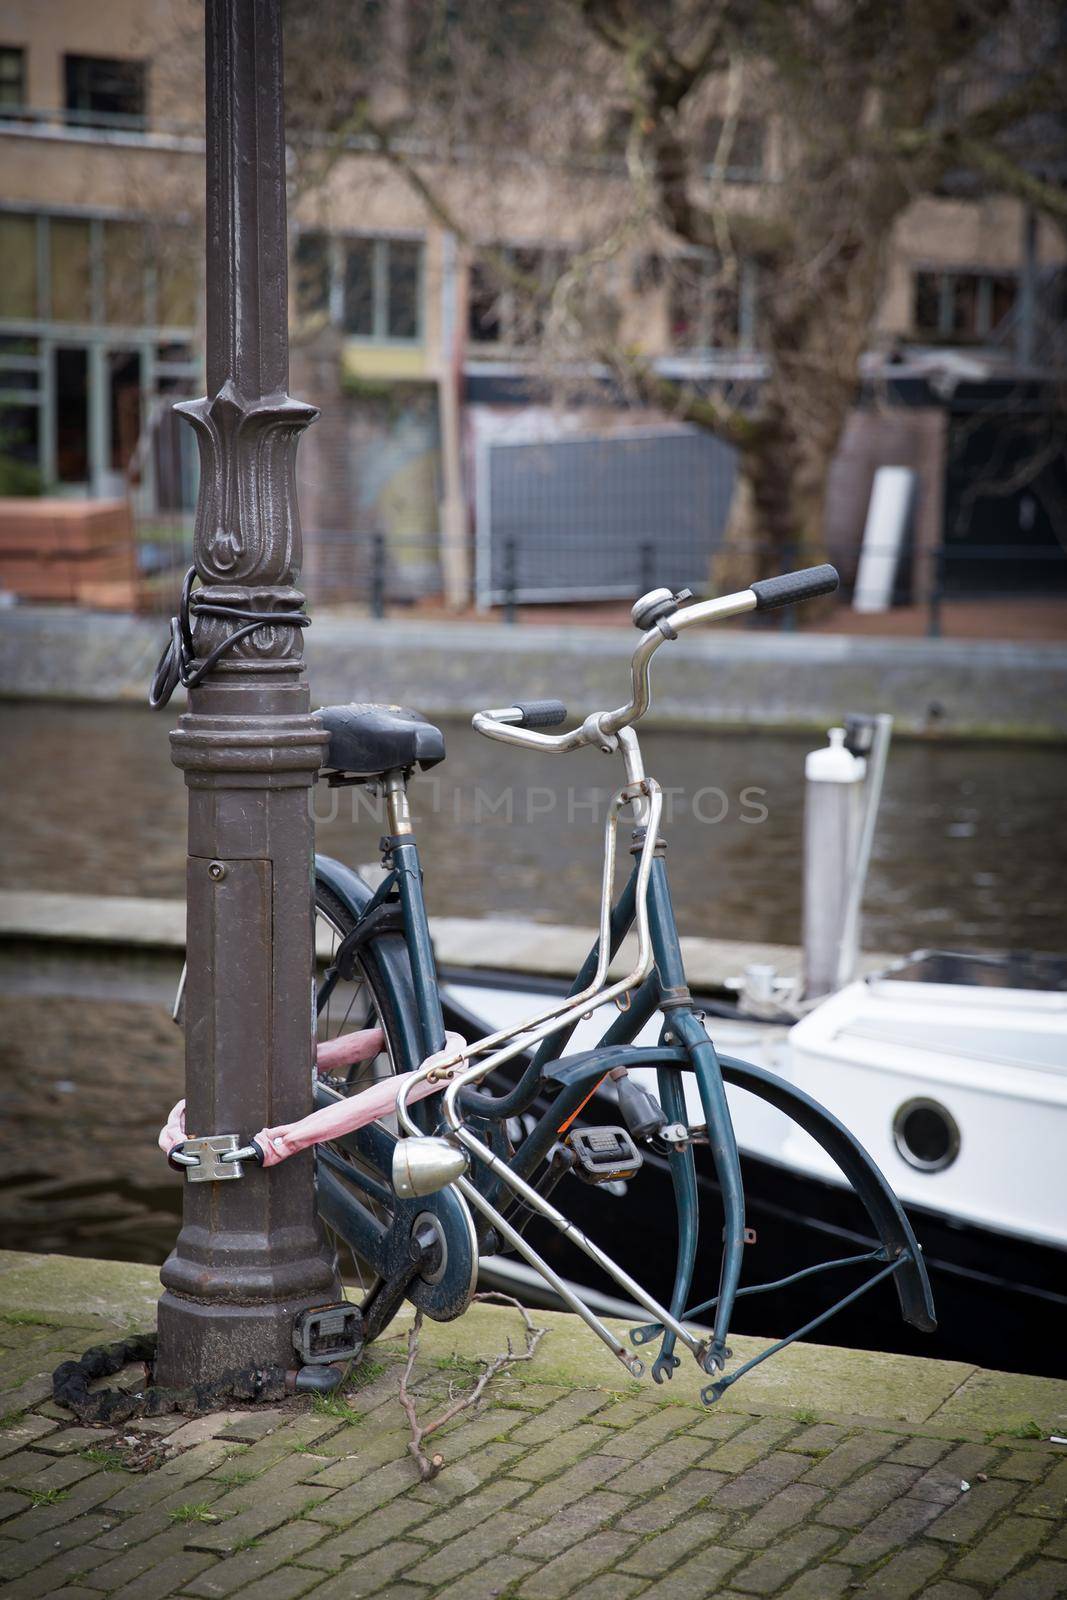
<point>430,1466</point>
<point>1041,91</point>
<point>501,265</point>
<point>681,400</point>
<point>1013,178</point>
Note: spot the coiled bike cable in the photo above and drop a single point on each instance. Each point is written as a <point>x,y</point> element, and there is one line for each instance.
<point>179,664</point>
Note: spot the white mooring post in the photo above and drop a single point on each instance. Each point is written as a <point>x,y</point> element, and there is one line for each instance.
<point>833,820</point>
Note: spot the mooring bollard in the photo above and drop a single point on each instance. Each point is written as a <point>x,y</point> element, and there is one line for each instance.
<point>250,1257</point>
<point>833,815</point>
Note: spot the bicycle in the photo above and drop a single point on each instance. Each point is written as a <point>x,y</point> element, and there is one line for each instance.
<point>417,1197</point>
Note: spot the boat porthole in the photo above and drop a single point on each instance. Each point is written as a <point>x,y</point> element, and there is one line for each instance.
<point>926,1135</point>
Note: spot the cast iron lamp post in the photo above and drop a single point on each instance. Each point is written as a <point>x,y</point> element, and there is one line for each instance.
<point>250,1254</point>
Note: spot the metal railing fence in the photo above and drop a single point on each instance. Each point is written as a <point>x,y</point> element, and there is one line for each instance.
<point>394,574</point>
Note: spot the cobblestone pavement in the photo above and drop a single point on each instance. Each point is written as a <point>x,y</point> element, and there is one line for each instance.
<point>549,1490</point>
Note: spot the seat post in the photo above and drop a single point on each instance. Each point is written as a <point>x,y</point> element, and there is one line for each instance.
<point>395,788</point>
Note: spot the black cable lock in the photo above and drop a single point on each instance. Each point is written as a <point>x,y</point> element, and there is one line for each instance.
<point>72,1379</point>
<point>178,663</point>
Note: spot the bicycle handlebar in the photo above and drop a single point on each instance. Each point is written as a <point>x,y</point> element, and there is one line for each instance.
<point>541,713</point>
<point>791,587</point>
<point>509,724</point>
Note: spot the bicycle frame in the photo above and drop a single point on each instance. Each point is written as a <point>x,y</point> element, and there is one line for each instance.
<point>406,967</point>
<point>404,972</point>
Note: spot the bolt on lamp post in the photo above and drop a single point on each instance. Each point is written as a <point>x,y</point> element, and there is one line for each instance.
<point>250,1254</point>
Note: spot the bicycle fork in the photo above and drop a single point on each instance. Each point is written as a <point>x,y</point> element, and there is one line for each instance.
<point>692,1035</point>
<point>700,1347</point>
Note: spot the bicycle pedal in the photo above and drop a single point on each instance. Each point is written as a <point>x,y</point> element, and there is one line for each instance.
<point>322,1334</point>
<point>604,1154</point>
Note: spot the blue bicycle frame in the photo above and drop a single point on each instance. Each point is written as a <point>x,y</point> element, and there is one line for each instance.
<point>398,952</point>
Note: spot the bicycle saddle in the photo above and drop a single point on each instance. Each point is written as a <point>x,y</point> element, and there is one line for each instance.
<point>369,740</point>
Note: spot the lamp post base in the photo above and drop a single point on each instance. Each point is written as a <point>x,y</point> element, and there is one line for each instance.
<point>201,1341</point>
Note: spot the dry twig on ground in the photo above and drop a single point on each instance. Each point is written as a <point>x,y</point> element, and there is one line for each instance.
<point>430,1466</point>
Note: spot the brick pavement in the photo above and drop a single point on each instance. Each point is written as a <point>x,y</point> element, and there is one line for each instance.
<point>552,1489</point>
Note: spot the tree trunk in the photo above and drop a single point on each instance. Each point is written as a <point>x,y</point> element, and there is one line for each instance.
<point>815,326</point>
<point>777,519</point>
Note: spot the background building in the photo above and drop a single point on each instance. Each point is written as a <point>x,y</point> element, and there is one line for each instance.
<point>440,446</point>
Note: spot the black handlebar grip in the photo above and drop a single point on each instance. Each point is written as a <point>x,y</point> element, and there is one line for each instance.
<point>790,587</point>
<point>541,713</point>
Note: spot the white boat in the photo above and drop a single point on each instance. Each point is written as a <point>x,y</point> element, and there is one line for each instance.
<point>952,1071</point>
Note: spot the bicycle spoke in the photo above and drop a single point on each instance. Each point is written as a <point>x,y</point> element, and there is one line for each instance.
<point>359,1270</point>
<point>348,1013</point>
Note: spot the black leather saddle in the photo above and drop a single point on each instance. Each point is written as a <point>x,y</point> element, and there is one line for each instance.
<point>367,740</point>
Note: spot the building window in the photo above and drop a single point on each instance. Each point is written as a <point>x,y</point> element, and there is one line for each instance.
<point>743,159</point>
<point>100,89</point>
<point>175,251</point>
<point>402,272</point>
<point>125,261</point>
<point>12,77</point>
<point>20,415</point>
<point>484,319</point>
<point>503,311</point>
<point>382,289</point>
<point>963,307</point>
<point>358,318</point>
<point>370,285</point>
<point>614,133</point>
<point>71,252</point>
<point>709,308</point>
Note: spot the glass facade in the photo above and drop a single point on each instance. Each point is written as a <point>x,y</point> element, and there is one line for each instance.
<point>97,319</point>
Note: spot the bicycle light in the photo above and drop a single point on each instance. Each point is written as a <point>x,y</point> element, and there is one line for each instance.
<point>422,1165</point>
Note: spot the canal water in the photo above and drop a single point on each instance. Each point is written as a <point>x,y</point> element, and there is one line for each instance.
<point>969,853</point>
<point>968,839</point>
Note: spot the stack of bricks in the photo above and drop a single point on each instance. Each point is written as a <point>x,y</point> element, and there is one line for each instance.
<point>69,551</point>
